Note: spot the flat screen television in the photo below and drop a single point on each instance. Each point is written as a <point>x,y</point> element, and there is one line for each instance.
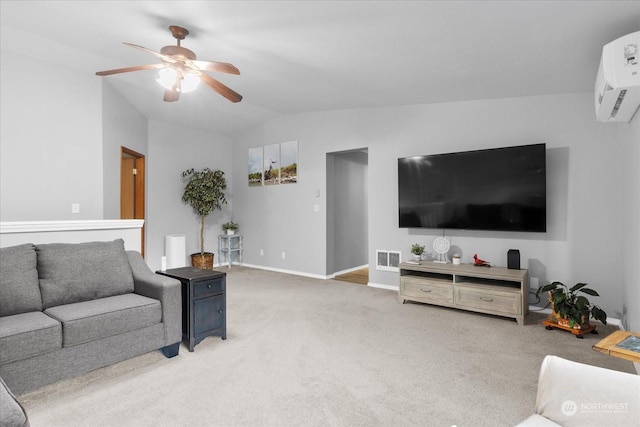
<point>496,189</point>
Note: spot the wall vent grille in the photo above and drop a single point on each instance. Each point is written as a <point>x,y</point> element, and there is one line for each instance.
<point>387,260</point>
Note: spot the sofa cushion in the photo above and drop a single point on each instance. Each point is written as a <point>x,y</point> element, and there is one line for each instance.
<point>92,320</point>
<point>19,289</point>
<point>75,272</point>
<point>28,334</point>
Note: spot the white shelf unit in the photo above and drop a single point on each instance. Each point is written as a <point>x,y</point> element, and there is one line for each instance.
<point>230,249</point>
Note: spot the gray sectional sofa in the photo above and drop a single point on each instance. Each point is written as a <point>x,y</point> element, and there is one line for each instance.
<point>67,309</point>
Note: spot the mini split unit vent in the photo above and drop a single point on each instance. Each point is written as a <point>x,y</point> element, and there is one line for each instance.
<point>617,88</point>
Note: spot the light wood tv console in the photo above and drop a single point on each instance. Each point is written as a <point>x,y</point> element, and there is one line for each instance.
<point>492,290</point>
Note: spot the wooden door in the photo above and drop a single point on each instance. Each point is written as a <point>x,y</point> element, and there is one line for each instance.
<point>132,187</point>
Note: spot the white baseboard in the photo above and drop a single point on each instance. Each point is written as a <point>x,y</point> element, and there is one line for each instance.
<point>281,270</point>
<point>381,286</point>
<point>300,273</point>
<point>349,270</point>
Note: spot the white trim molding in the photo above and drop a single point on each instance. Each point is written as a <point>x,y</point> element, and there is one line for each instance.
<point>349,270</point>
<point>280,270</point>
<point>382,286</point>
<point>41,232</point>
<point>40,226</point>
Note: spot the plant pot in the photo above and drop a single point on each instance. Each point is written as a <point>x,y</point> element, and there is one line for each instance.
<point>565,321</point>
<point>231,232</point>
<point>204,260</point>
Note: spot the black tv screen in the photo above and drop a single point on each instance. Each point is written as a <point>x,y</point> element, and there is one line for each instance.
<point>496,189</point>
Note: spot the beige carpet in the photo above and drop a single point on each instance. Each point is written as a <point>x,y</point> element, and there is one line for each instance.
<point>306,352</point>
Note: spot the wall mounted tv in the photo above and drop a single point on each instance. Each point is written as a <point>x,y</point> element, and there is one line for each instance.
<point>497,189</point>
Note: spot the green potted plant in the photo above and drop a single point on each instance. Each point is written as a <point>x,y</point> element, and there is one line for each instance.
<point>571,309</point>
<point>204,191</point>
<point>417,250</point>
<point>230,227</point>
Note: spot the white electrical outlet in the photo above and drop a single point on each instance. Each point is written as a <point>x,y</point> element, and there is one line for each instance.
<point>261,252</point>
<point>75,208</point>
<point>284,256</point>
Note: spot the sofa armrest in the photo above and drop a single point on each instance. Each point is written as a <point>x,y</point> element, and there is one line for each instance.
<point>12,413</point>
<point>165,289</point>
<point>575,394</point>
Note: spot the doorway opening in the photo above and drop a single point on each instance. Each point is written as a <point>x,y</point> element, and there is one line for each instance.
<point>347,213</point>
<point>132,187</point>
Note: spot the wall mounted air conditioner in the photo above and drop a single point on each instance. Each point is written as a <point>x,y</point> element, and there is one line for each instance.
<point>617,88</point>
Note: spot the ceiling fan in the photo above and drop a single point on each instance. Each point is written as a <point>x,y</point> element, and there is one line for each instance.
<point>180,71</point>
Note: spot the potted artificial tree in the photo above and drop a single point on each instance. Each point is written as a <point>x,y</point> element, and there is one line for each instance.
<point>571,310</point>
<point>204,192</point>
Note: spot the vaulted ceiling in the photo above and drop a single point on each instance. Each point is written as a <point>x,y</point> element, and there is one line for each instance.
<point>303,56</point>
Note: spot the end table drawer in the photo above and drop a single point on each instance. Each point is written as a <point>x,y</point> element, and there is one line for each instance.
<point>207,287</point>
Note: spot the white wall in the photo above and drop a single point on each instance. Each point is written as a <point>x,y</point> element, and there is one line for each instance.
<point>51,155</point>
<point>123,126</point>
<point>630,218</point>
<point>173,149</point>
<point>583,185</point>
<point>50,140</point>
<point>55,151</point>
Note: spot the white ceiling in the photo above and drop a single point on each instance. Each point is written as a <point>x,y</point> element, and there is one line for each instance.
<point>302,56</point>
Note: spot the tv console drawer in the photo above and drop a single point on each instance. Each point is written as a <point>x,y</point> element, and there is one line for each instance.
<point>427,290</point>
<point>494,301</point>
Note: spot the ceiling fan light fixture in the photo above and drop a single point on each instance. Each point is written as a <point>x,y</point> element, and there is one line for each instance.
<point>180,71</point>
<point>189,82</point>
<point>167,79</point>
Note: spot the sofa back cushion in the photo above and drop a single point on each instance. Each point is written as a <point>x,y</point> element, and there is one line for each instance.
<point>76,272</point>
<point>19,290</point>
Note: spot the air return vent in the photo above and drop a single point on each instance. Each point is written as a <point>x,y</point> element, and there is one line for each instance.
<point>387,260</point>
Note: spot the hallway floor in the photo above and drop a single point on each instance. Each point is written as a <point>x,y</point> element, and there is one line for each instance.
<point>360,277</point>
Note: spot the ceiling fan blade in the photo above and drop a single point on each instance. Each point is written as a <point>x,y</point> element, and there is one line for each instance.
<point>128,69</point>
<point>171,95</point>
<point>223,90</point>
<point>153,52</point>
<point>220,67</point>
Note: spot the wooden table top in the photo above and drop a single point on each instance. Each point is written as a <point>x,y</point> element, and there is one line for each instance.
<point>609,345</point>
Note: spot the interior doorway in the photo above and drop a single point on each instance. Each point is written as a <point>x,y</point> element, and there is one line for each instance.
<point>132,187</point>
<point>347,211</point>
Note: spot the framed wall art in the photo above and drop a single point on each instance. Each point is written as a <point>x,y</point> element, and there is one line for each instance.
<point>289,162</point>
<point>255,167</point>
<point>271,164</point>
